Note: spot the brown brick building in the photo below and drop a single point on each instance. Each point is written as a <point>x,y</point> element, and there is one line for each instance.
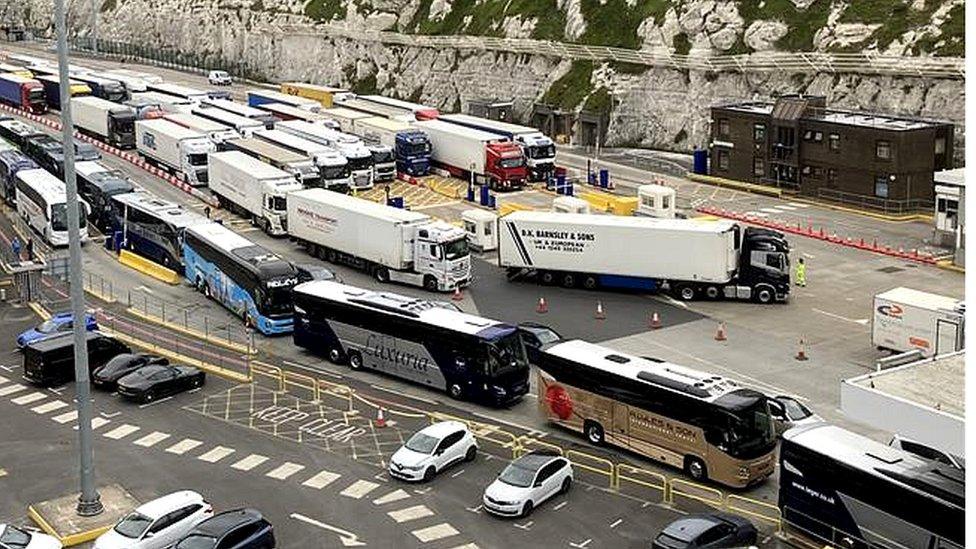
<point>856,157</point>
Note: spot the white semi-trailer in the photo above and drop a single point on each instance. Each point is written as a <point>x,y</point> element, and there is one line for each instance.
<point>391,244</point>
<point>252,189</point>
<point>470,153</point>
<point>692,258</point>
<point>111,122</point>
<point>180,150</point>
<point>906,319</point>
<point>540,151</point>
<point>359,157</point>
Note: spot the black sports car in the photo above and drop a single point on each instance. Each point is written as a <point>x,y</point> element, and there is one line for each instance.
<point>122,365</point>
<point>152,382</point>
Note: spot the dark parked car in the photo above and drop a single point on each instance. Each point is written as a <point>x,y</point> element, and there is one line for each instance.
<point>158,380</point>
<point>711,531</point>
<point>238,529</point>
<point>122,365</point>
<point>310,271</point>
<point>535,336</point>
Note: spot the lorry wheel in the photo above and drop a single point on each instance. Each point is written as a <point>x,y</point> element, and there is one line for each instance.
<point>712,292</point>
<point>590,282</point>
<point>547,277</point>
<point>331,256</point>
<point>430,283</point>
<point>355,361</point>
<point>765,294</point>
<point>685,292</point>
<point>569,281</point>
<point>381,274</point>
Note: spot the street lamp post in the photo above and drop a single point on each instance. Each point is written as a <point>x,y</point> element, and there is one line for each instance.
<point>89,502</point>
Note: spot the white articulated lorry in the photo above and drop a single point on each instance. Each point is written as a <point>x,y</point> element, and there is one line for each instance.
<point>389,243</point>
<point>692,258</point>
<point>540,151</point>
<point>359,157</point>
<point>253,189</point>
<point>111,122</point>
<point>905,319</point>
<point>180,150</point>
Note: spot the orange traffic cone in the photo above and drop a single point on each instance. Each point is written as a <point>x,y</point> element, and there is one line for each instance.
<point>720,334</point>
<point>380,418</point>
<point>600,315</point>
<point>655,321</point>
<point>542,307</point>
<point>457,294</point>
<point>801,353</point>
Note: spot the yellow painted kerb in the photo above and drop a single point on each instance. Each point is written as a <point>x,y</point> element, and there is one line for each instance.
<point>192,333</point>
<point>69,540</point>
<point>149,268</point>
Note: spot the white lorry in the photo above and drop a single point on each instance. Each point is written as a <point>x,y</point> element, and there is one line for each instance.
<point>333,167</point>
<point>359,157</point>
<point>345,118</point>
<point>468,153</point>
<point>540,150</point>
<point>391,244</point>
<point>252,189</point>
<point>905,319</point>
<point>692,258</point>
<point>218,133</point>
<point>180,150</point>
<point>111,122</point>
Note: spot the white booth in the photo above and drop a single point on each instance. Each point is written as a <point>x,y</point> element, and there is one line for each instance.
<point>950,212</point>
<point>656,201</point>
<point>570,204</point>
<point>479,226</point>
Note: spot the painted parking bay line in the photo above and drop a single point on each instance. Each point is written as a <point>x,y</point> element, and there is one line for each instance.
<point>151,439</point>
<point>216,454</point>
<point>66,417</point>
<point>11,389</point>
<point>434,533</point>
<point>183,446</point>
<point>27,399</point>
<point>321,480</point>
<point>410,513</point>
<point>359,489</point>
<point>96,422</point>
<point>285,470</point>
<point>250,462</point>
<point>49,407</point>
<point>393,496</point>
<point>121,431</point>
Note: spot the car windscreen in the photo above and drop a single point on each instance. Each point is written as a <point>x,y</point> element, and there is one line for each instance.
<point>422,443</point>
<point>517,476</point>
<point>14,538</point>
<point>197,542</point>
<point>133,525</point>
<point>795,410</point>
<point>47,327</point>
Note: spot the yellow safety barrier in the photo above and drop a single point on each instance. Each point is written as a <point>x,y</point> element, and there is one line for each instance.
<point>593,464</point>
<point>506,208</point>
<point>528,444</point>
<point>301,381</point>
<point>267,370</point>
<point>610,203</point>
<point>642,477</point>
<point>692,490</point>
<point>753,508</point>
<point>341,392</point>
<point>149,268</point>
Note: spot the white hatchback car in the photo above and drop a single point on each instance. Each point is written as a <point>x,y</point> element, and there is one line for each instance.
<point>157,524</point>
<point>17,538</point>
<point>219,78</point>
<point>527,482</point>
<point>433,449</point>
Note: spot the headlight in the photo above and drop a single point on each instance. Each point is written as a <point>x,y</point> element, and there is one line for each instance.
<point>500,391</point>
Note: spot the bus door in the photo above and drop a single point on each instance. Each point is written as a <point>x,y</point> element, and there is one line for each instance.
<point>620,430</point>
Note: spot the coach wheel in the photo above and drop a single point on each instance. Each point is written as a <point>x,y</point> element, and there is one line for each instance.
<point>569,280</point>
<point>594,432</point>
<point>456,391</point>
<point>207,291</point>
<point>547,277</point>
<point>381,274</point>
<point>331,256</point>
<point>695,468</point>
<point>590,282</point>
<point>712,292</point>
<point>335,355</point>
<point>356,361</point>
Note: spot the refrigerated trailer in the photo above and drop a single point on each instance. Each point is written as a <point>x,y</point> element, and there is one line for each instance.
<point>905,319</point>
<point>252,189</point>
<point>333,167</point>
<point>692,258</point>
<point>411,147</point>
<point>468,153</point>
<point>540,151</point>
<point>359,157</point>
<point>110,122</point>
<point>215,131</point>
<point>180,150</point>
<point>391,244</point>
<point>300,166</point>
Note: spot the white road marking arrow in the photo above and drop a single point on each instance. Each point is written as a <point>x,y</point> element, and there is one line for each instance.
<point>347,538</point>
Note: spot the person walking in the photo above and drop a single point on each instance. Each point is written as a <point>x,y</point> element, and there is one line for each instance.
<point>30,249</point>
<point>15,245</point>
<point>801,273</point>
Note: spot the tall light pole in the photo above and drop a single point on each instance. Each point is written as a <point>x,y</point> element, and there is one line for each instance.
<point>89,502</point>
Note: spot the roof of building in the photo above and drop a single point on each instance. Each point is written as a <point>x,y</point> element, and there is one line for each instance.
<point>833,116</point>
<point>956,177</point>
<point>937,382</point>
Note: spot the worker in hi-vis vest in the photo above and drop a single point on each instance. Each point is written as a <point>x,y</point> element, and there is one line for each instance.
<point>801,272</point>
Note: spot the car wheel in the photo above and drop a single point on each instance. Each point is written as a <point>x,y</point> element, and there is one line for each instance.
<point>527,508</point>
<point>567,484</point>
<point>429,474</point>
<point>594,432</point>
<point>695,468</point>
<point>356,361</point>
<point>456,391</point>
<point>148,397</point>
<point>197,381</point>
<point>471,453</point>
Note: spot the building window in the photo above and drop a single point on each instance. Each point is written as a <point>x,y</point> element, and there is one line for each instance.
<point>834,141</point>
<point>759,132</point>
<point>808,135</point>
<point>815,172</point>
<point>940,145</point>
<point>883,150</point>
<point>758,167</point>
<point>881,186</point>
<point>818,137</point>
<point>723,127</point>
<point>831,177</point>
<point>723,159</point>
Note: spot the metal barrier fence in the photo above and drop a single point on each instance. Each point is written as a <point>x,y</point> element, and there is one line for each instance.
<point>884,205</point>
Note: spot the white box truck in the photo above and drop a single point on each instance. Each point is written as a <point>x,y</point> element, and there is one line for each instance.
<point>252,189</point>
<point>391,244</point>
<point>218,133</point>
<point>467,152</point>
<point>540,151</point>
<point>905,319</point>
<point>110,122</point>
<point>345,118</point>
<point>359,157</point>
<point>181,151</point>
<point>692,258</point>
<point>411,147</point>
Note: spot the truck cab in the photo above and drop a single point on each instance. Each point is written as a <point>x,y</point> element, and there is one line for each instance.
<point>336,175</point>
<point>33,97</point>
<point>413,152</point>
<point>275,204</point>
<point>764,267</point>
<point>505,165</point>
<point>122,127</point>
<point>384,164</point>
<point>441,254</point>
<point>540,155</point>
<point>193,157</point>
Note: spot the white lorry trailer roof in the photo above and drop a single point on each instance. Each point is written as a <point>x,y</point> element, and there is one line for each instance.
<point>345,113</point>
<point>171,129</point>
<point>716,226</point>
<point>195,122</point>
<point>459,131</point>
<point>163,98</point>
<point>388,124</point>
<point>376,109</point>
<point>253,166</point>
<point>362,206</point>
<point>98,102</point>
<point>918,298</point>
<point>506,127</point>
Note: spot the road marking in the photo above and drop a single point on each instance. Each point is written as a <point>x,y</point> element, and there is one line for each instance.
<point>11,389</point>
<point>66,417</point>
<point>434,533</point>
<point>321,480</point>
<point>395,495</point>
<point>861,321</point>
<point>475,510</point>
<point>3,379</point>
<point>525,526</point>
<point>151,439</point>
<point>216,454</point>
<point>96,422</point>
<point>155,402</point>
<point>359,489</point>
<point>121,431</point>
<point>27,399</point>
<point>49,407</point>
<point>560,505</point>
<point>770,210</point>
<point>347,538</point>
<point>581,545</point>
<point>457,474</point>
<point>183,446</point>
<point>410,513</point>
<point>799,205</point>
<point>285,470</point>
<point>755,214</point>
<point>616,523</point>
<point>787,208</point>
<point>250,462</point>
<point>400,393</point>
<point>467,546</point>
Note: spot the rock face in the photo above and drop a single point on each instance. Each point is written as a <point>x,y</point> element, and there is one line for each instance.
<point>660,108</point>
